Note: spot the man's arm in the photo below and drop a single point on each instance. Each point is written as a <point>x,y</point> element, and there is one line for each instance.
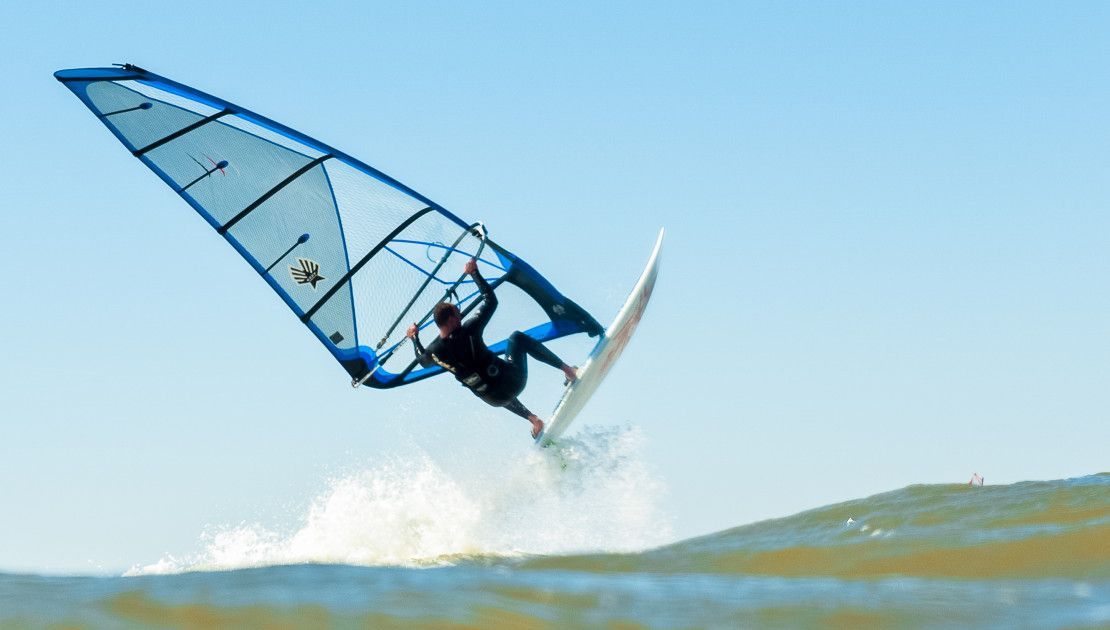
<point>485,310</point>
<point>421,354</point>
<point>519,409</point>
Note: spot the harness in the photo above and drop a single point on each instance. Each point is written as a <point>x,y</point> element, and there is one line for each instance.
<point>473,379</point>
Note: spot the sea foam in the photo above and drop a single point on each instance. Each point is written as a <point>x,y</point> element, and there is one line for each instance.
<point>592,492</point>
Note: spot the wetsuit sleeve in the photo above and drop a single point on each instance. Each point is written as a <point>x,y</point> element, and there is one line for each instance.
<point>519,409</point>
<point>421,353</point>
<point>482,315</point>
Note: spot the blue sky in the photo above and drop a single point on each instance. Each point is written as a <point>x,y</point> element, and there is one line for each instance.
<point>887,254</point>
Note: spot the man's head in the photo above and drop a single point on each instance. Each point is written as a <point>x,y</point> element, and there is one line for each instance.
<point>447,316</point>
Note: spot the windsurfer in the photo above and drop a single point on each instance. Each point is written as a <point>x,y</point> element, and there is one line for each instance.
<point>459,349</point>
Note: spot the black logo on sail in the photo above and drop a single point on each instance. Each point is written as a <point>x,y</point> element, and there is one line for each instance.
<point>307,273</point>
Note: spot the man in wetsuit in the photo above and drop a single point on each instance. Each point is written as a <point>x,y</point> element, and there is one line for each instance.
<point>460,350</point>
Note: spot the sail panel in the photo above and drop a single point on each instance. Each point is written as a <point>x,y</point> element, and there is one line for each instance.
<point>137,118</point>
<point>355,254</point>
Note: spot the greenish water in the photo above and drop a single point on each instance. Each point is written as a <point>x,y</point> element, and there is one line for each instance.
<point>1033,554</point>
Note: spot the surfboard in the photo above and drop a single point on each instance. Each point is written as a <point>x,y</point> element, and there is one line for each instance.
<point>608,349</point>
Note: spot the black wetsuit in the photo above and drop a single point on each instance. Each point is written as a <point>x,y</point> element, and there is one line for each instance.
<point>495,380</point>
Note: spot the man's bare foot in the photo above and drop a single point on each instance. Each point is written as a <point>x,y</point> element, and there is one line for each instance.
<point>571,373</point>
<point>537,425</point>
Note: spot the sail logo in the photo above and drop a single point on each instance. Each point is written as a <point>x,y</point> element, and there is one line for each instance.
<point>307,273</point>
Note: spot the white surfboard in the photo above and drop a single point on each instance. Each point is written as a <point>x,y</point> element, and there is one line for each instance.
<point>604,354</point>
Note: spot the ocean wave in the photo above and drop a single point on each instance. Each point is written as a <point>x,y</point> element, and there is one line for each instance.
<point>1031,529</point>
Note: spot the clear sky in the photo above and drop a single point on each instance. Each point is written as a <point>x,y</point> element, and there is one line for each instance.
<point>888,254</point>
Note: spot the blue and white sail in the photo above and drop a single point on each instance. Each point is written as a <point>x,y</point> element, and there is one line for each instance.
<point>354,253</point>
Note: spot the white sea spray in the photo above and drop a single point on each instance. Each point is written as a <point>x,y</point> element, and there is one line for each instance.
<point>594,492</point>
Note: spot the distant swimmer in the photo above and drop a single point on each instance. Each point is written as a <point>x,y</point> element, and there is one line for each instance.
<point>459,349</point>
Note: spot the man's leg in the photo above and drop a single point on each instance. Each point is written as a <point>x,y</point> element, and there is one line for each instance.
<point>521,344</point>
<point>519,409</point>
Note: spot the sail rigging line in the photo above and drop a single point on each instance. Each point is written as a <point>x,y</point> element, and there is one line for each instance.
<point>452,290</point>
<point>483,235</point>
<point>492,263</point>
<point>474,227</point>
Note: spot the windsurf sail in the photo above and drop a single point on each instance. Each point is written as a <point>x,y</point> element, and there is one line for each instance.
<point>355,254</point>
